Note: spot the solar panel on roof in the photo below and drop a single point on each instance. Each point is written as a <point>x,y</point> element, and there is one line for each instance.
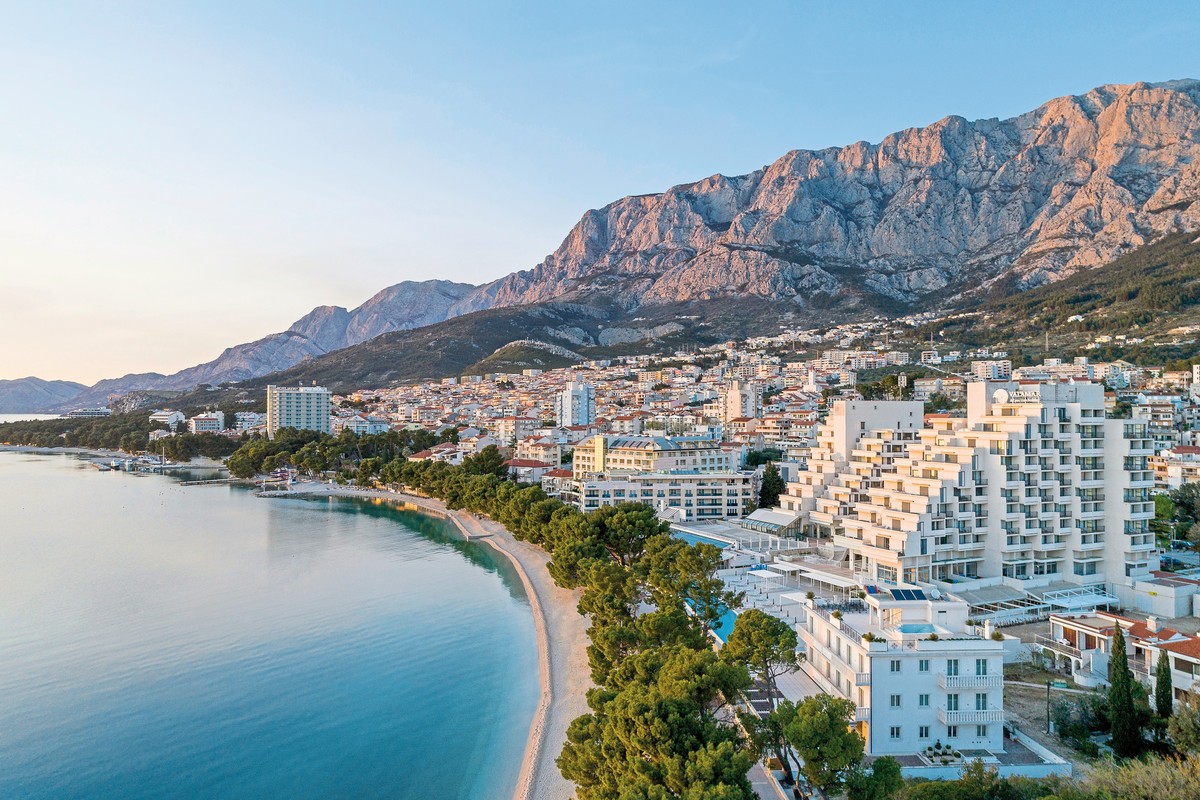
<point>917,594</point>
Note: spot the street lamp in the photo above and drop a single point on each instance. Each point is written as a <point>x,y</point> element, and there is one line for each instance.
<point>1048,706</point>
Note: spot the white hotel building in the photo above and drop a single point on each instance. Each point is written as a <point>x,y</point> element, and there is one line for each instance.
<point>306,408</point>
<point>919,678</point>
<point>1035,485</point>
<point>693,477</point>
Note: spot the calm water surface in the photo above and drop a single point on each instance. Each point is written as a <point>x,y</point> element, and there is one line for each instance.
<point>165,641</point>
<point>22,417</point>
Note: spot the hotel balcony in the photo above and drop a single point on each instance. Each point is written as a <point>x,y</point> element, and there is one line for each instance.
<point>862,679</point>
<point>970,717</point>
<point>969,681</point>
<point>862,714</point>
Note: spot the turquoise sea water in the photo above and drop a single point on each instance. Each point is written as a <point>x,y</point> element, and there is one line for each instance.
<point>159,641</point>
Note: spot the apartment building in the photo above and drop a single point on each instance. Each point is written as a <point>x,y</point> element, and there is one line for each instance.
<point>692,494</point>
<point>513,429</point>
<point>698,477</point>
<point>916,674</point>
<point>364,425</point>
<point>305,408</point>
<point>1175,466</point>
<point>742,399</point>
<point>208,422</point>
<point>625,454</point>
<point>1035,482</point>
<point>992,369</point>
<point>168,417</point>
<point>245,420</point>
<point>576,405</point>
<point>954,388</point>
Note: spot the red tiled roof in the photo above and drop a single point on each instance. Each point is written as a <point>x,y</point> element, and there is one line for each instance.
<point>558,473</point>
<point>1189,647</point>
<point>525,462</point>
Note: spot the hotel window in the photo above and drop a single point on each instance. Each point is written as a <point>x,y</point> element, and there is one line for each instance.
<point>951,731</point>
<point>952,702</point>
<point>895,701</point>
<point>895,732</point>
<point>952,667</point>
<point>923,700</point>
<point>923,732</point>
<point>895,665</point>
<point>981,666</point>
<point>981,731</point>
<point>923,665</point>
<point>981,701</point>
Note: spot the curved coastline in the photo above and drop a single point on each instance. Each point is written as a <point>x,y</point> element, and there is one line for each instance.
<point>561,631</point>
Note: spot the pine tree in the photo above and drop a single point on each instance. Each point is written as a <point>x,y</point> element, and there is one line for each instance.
<point>1126,738</point>
<point>1164,693</point>
<point>772,486</point>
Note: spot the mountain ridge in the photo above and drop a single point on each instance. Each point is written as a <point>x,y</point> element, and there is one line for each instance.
<point>927,215</point>
<point>1069,185</point>
<point>402,306</point>
<point>32,394</point>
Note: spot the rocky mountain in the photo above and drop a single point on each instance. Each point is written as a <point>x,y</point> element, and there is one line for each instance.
<point>34,394</point>
<point>926,216</point>
<point>397,308</point>
<point>922,214</point>
<point>409,304</point>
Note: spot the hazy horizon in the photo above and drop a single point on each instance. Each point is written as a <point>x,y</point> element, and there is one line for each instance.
<point>183,179</point>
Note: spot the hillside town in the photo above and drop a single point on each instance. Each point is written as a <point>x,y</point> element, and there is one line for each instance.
<point>924,536</point>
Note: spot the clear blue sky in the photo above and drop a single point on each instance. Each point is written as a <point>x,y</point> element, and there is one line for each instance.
<point>178,177</point>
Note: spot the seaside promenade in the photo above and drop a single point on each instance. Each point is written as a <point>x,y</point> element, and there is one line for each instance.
<point>561,633</point>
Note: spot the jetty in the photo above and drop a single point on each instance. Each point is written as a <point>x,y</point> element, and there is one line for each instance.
<point>217,482</point>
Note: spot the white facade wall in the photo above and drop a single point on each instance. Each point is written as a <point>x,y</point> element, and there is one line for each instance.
<point>909,690</point>
<point>1034,482</point>
<point>305,408</point>
<point>208,422</point>
<point>707,495</point>
<point>576,405</point>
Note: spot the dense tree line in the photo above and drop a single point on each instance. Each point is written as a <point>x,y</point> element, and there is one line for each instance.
<point>655,728</point>
<point>126,432</point>
<point>186,446</point>
<point>94,432</point>
<point>353,457</point>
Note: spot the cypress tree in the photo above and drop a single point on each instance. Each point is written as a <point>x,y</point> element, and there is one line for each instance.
<point>772,486</point>
<point>1163,691</point>
<point>1126,738</point>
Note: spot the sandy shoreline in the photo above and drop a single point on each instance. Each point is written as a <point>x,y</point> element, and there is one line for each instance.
<point>562,639</point>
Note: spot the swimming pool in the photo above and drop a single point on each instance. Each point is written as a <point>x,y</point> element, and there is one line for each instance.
<point>695,538</point>
<point>916,627</point>
<point>724,625</point>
